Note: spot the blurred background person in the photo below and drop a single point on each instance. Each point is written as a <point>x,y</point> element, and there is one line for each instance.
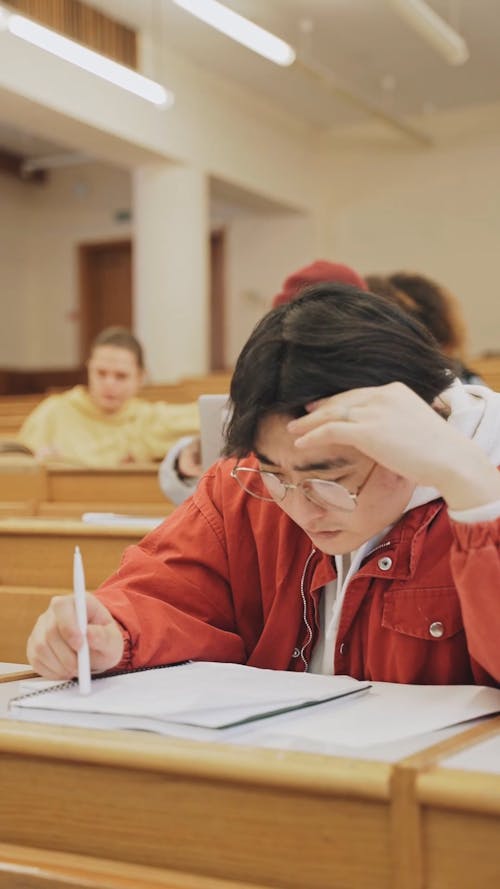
<point>436,308</point>
<point>104,423</point>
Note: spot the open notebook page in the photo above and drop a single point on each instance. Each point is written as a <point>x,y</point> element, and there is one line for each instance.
<point>202,694</point>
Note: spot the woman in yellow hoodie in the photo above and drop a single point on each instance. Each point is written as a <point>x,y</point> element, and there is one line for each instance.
<point>104,423</point>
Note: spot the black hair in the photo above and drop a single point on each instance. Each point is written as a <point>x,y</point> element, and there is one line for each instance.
<point>121,338</point>
<point>332,338</point>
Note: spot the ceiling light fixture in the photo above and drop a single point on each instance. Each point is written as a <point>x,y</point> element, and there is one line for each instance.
<point>240,29</point>
<point>434,29</point>
<point>88,59</point>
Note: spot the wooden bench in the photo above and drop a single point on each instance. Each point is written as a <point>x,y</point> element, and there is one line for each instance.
<point>36,559</point>
<point>127,484</point>
<point>11,423</point>
<point>20,607</point>
<point>189,388</point>
<point>18,404</point>
<point>21,478</point>
<point>38,552</point>
<point>28,488</point>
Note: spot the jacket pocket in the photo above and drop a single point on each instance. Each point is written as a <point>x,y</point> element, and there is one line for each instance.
<point>424,614</point>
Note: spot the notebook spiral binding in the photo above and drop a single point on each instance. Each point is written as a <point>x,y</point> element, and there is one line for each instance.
<point>72,683</point>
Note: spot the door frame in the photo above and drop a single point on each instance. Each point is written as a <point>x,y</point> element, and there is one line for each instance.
<point>217,296</point>
<point>85,250</point>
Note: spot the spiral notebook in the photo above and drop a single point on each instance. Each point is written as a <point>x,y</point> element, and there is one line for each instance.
<point>199,696</point>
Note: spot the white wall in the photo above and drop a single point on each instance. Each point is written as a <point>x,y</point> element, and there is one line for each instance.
<point>432,210</point>
<point>40,228</point>
<point>261,253</point>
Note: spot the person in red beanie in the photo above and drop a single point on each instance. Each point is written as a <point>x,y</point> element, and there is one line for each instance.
<point>181,468</point>
<point>317,272</point>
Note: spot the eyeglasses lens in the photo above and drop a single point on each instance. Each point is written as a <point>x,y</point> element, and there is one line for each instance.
<point>266,486</point>
<point>329,493</point>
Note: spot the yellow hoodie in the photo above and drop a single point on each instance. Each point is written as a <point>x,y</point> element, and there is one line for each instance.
<point>80,433</point>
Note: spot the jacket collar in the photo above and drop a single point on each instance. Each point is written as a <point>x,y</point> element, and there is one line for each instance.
<point>403,544</point>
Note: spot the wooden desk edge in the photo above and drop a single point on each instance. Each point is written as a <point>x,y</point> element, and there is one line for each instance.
<point>317,773</point>
<point>21,674</point>
<point>42,527</point>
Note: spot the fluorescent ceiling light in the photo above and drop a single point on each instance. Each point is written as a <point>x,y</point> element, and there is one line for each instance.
<point>85,58</point>
<point>240,29</point>
<point>433,28</point>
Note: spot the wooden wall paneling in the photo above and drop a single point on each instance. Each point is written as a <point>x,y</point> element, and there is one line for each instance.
<point>84,24</point>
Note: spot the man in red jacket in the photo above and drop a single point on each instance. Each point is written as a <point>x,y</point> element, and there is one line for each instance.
<point>181,468</point>
<point>354,527</point>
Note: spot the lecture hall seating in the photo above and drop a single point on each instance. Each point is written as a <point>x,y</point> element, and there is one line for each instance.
<point>90,805</point>
<point>36,558</point>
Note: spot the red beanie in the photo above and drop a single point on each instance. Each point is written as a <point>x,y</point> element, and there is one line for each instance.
<point>317,273</point>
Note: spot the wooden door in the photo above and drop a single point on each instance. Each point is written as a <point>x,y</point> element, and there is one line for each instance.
<point>106,292</point>
<point>105,288</point>
<point>217,302</point>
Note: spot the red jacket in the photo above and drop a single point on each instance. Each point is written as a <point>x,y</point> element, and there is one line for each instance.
<point>231,578</point>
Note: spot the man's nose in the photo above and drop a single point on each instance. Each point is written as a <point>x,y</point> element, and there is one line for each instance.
<point>303,507</point>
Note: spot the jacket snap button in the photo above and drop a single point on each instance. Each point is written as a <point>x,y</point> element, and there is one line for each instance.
<point>342,648</point>
<point>385,563</point>
<point>295,652</point>
<point>436,629</point>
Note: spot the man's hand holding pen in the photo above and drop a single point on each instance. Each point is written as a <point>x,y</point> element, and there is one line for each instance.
<point>56,639</point>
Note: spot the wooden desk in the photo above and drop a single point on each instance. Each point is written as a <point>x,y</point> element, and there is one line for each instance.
<point>28,488</point>
<point>9,508</point>
<point>449,817</point>
<point>38,552</point>
<point>127,484</point>
<point>265,818</point>
<point>204,814</point>
<point>21,479</point>
<point>20,607</point>
<point>36,563</point>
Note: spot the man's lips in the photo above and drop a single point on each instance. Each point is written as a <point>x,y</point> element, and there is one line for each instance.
<point>323,533</point>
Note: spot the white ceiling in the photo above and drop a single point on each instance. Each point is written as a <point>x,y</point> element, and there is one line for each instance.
<point>363,43</point>
<point>364,46</point>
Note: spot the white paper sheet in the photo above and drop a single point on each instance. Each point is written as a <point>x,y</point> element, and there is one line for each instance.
<point>386,713</point>
<point>120,520</point>
<point>482,757</point>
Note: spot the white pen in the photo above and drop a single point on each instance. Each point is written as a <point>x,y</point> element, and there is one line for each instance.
<point>81,616</point>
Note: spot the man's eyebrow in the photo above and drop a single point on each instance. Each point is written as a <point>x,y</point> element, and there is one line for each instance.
<point>319,466</point>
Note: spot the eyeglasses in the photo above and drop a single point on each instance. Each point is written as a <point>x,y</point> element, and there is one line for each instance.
<point>268,487</point>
